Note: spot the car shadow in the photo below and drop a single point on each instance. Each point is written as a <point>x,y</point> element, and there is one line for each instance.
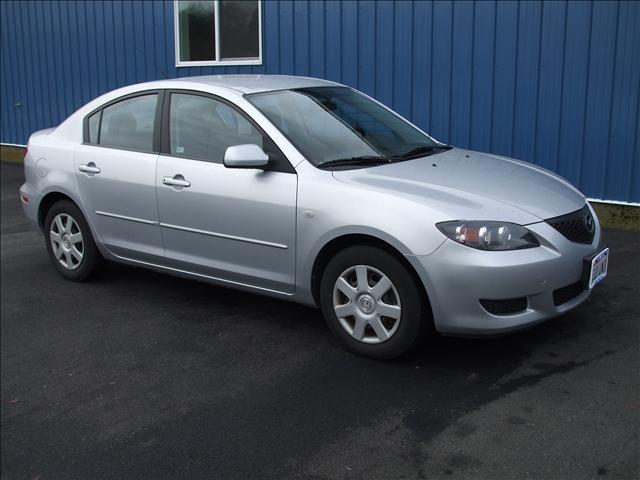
<point>304,322</point>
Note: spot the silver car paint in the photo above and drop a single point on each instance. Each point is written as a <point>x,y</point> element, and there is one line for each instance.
<point>121,200</point>
<point>230,223</point>
<point>398,204</point>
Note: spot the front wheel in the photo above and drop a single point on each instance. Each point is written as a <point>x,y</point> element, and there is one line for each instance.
<point>69,242</point>
<point>372,303</point>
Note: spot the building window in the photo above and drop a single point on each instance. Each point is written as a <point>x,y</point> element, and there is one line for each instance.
<point>218,32</point>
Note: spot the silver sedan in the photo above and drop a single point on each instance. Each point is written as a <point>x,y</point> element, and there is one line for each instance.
<point>309,190</point>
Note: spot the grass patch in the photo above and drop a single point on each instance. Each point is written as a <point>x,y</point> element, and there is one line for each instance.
<point>621,217</point>
<point>12,154</point>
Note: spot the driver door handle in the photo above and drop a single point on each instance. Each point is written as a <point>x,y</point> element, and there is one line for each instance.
<point>89,168</point>
<point>176,181</point>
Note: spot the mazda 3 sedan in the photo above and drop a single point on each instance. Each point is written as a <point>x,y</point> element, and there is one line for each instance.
<point>309,190</point>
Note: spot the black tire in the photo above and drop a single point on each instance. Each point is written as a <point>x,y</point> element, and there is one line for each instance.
<point>415,311</point>
<point>91,258</point>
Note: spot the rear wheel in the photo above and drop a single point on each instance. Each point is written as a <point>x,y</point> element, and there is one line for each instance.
<point>69,242</point>
<point>371,302</point>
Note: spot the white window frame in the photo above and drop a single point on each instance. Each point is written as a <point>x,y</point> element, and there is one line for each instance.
<point>219,63</point>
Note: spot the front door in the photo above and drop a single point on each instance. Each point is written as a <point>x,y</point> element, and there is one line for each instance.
<point>232,224</point>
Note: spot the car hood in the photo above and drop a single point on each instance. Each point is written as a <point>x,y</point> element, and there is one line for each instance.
<point>461,183</point>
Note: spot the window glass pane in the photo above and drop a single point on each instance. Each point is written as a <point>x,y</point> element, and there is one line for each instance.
<point>196,31</point>
<point>129,124</point>
<point>330,123</point>
<point>239,29</point>
<point>94,121</point>
<point>203,128</point>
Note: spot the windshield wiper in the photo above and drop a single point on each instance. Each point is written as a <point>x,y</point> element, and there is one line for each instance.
<point>422,151</point>
<point>361,160</point>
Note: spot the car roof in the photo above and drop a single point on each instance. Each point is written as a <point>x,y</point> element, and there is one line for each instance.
<point>256,83</point>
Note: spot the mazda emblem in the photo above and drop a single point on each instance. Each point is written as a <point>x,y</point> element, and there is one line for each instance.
<point>588,221</point>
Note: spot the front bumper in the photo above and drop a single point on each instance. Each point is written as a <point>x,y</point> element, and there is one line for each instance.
<point>456,277</point>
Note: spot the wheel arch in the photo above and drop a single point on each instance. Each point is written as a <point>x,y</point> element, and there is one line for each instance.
<point>54,195</point>
<point>47,201</point>
<point>337,244</point>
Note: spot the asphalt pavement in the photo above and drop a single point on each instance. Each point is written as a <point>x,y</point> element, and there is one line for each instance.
<point>143,375</point>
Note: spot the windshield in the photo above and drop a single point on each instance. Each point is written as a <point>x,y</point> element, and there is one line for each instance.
<point>333,124</point>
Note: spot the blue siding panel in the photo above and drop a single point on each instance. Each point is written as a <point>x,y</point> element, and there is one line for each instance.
<point>604,26</point>
<point>28,70</point>
<point>366,47</point>
<point>624,103</point>
<point>482,73</point>
<point>333,41</point>
<point>635,163</point>
<point>441,70</point>
<point>287,43</point>
<point>574,90</point>
<point>384,52</point>
<point>554,83</point>
<point>402,57</point>
<point>270,35</point>
<point>527,65</point>
<point>301,25</point>
<point>421,84</point>
<point>4,84</point>
<point>316,38</point>
<point>349,38</point>
<point>7,109</point>
<point>65,26</point>
<point>462,72</point>
<point>550,88</point>
<point>504,82</point>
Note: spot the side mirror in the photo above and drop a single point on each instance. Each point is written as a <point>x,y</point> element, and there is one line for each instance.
<point>245,156</point>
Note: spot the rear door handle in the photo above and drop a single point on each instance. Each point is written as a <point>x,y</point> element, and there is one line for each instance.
<point>176,181</point>
<point>89,168</point>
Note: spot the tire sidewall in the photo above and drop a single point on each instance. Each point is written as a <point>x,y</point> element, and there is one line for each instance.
<point>412,316</point>
<point>90,256</point>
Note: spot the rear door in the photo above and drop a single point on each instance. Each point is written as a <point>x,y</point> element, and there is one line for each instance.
<point>115,172</point>
<point>232,224</point>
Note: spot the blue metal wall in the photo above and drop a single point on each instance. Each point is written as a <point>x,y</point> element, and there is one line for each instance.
<point>555,83</point>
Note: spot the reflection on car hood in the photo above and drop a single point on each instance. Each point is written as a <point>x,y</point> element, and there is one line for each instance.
<point>467,178</point>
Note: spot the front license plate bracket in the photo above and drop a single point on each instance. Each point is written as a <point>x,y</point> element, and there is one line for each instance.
<point>595,268</point>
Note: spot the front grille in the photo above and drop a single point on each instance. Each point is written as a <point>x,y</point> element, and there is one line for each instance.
<point>509,306</point>
<point>568,293</point>
<point>578,226</point>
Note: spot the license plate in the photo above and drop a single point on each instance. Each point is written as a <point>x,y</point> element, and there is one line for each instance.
<point>599,264</point>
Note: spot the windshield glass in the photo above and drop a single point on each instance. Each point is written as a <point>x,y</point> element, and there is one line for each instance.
<point>329,124</point>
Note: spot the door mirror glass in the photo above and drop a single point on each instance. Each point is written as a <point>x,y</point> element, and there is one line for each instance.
<point>245,156</point>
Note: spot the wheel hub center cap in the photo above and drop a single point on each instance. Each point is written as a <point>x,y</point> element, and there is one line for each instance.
<point>66,242</point>
<point>366,303</point>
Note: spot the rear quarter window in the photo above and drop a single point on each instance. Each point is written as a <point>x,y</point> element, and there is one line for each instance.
<point>94,127</point>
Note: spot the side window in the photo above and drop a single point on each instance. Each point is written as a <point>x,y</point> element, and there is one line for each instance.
<point>128,124</point>
<point>203,128</point>
<point>94,127</point>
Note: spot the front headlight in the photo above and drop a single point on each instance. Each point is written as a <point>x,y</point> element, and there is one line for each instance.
<point>489,235</point>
